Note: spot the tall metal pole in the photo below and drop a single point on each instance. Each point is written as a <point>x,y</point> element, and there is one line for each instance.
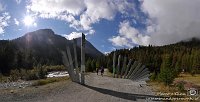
<point>114,59</point>
<point>124,67</point>
<point>76,61</point>
<point>66,63</point>
<point>127,68</point>
<point>82,59</point>
<point>71,65</point>
<point>118,66</point>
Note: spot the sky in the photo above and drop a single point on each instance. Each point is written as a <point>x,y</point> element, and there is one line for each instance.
<point>108,24</point>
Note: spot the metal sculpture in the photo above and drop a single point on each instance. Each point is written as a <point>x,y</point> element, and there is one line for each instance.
<point>75,73</point>
<point>133,71</point>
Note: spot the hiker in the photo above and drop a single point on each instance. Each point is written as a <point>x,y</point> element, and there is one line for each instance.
<point>97,70</point>
<point>102,71</point>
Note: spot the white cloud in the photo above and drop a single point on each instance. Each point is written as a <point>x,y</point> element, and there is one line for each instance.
<point>173,20</point>
<point>35,24</point>
<point>16,21</point>
<point>150,29</point>
<point>53,8</point>
<point>81,14</point>
<point>30,20</point>
<point>128,36</point>
<point>133,34</point>
<point>1,30</point>
<point>107,52</point>
<point>91,31</point>
<point>18,1</point>
<point>58,9</point>
<point>73,35</point>
<point>106,9</point>
<point>169,21</point>
<point>4,20</point>
<point>119,41</point>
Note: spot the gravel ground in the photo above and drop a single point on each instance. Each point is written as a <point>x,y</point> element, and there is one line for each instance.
<point>97,89</point>
<point>18,84</point>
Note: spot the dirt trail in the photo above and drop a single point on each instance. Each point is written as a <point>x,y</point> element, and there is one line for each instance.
<point>97,89</point>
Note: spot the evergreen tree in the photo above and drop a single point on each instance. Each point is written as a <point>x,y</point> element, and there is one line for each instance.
<point>89,65</point>
<point>167,73</point>
<point>93,63</point>
<point>41,72</point>
<point>97,64</point>
<point>7,56</point>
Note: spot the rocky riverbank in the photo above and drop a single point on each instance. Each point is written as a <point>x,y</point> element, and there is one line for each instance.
<point>18,84</point>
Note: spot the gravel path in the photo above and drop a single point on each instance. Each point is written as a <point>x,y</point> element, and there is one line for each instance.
<point>97,89</point>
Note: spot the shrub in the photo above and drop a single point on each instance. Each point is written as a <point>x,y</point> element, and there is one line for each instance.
<point>42,73</point>
<point>24,73</point>
<point>2,78</point>
<point>34,74</point>
<point>180,86</point>
<point>49,80</point>
<point>89,66</point>
<point>54,68</point>
<point>38,72</point>
<point>193,72</point>
<point>14,75</point>
<point>41,82</point>
<point>153,76</point>
<point>110,69</point>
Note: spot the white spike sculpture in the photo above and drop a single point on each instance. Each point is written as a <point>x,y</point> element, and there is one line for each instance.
<point>133,71</point>
<point>75,76</point>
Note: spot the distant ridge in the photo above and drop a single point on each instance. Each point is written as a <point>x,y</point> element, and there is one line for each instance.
<point>181,55</point>
<point>46,44</point>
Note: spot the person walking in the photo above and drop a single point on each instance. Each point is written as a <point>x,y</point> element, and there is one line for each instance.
<point>102,71</point>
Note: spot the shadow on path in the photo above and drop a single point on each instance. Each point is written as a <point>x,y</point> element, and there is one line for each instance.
<point>127,96</point>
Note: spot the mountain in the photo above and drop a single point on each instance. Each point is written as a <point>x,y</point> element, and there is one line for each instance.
<point>45,40</point>
<point>42,46</point>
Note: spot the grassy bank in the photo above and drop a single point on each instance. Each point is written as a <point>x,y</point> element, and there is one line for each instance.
<point>49,80</point>
<point>180,85</point>
<point>188,77</point>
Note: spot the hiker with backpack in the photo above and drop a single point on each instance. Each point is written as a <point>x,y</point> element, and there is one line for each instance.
<point>102,71</point>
